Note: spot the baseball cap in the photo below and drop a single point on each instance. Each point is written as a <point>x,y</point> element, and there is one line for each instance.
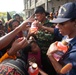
<point>65,13</point>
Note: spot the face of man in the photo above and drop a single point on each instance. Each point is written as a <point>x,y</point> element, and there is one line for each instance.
<point>40,16</point>
<point>17,18</point>
<point>15,24</point>
<point>67,28</point>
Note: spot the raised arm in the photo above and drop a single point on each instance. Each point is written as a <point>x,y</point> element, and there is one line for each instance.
<point>16,46</point>
<point>5,40</point>
<point>50,29</point>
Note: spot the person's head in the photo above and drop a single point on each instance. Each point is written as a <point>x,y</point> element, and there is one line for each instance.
<point>66,19</point>
<point>13,24</point>
<point>31,47</point>
<point>51,15</point>
<point>34,46</point>
<point>16,17</point>
<point>56,14</point>
<point>40,13</point>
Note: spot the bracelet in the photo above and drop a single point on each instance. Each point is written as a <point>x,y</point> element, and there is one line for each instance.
<point>5,56</point>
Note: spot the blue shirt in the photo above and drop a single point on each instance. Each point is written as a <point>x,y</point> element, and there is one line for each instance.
<point>70,56</point>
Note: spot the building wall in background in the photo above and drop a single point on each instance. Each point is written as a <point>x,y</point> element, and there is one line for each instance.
<point>49,5</point>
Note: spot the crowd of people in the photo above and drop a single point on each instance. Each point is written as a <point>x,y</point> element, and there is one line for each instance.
<point>19,47</point>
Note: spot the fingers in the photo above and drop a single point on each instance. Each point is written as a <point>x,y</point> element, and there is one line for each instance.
<point>20,42</point>
<point>17,45</point>
<point>30,19</point>
<point>52,49</point>
<point>32,16</point>
<point>23,25</point>
<point>20,39</point>
<point>23,42</point>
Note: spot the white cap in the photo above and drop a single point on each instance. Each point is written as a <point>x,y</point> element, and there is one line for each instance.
<point>34,65</point>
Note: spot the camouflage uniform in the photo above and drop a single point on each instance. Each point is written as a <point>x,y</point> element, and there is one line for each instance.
<point>44,39</point>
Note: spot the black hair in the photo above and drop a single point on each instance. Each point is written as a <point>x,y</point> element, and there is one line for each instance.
<point>14,21</point>
<point>28,47</point>
<point>47,13</point>
<point>10,23</point>
<point>32,42</point>
<point>39,9</point>
<point>15,15</point>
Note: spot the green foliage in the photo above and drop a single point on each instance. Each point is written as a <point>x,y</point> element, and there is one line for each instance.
<point>3,14</point>
<point>3,20</point>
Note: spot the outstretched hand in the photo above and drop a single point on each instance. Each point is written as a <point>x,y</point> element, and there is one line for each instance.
<point>52,49</point>
<point>17,45</point>
<point>24,25</point>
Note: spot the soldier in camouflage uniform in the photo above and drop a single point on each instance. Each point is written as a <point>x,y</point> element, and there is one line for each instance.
<point>44,39</point>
